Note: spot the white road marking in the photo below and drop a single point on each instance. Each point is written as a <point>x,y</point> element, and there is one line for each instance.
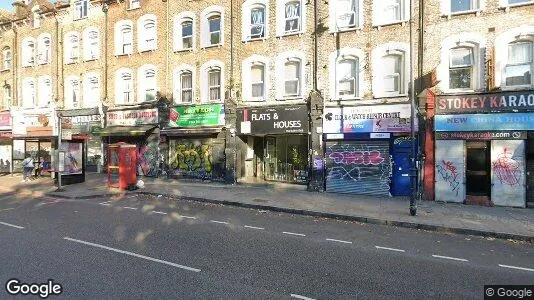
<point>159,212</point>
<point>132,208</point>
<point>219,222</point>
<point>254,227</point>
<point>132,254</point>
<point>187,217</point>
<point>448,257</point>
<point>104,203</point>
<point>292,233</point>
<point>11,225</point>
<point>339,241</point>
<point>390,249</point>
<point>301,297</point>
<point>7,209</point>
<point>517,268</point>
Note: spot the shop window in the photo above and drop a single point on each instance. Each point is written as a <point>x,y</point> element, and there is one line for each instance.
<point>461,68</point>
<point>255,20</point>
<point>345,14</point>
<point>124,37</point>
<point>519,66</point>
<point>287,158</point>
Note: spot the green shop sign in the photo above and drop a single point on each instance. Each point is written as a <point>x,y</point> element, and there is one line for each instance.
<point>195,116</point>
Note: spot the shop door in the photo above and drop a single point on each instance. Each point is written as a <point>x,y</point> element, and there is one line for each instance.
<point>358,167</point>
<point>450,171</point>
<point>270,158</point>
<point>508,173</point>
<point>400,179</point>
<point>478,169</point>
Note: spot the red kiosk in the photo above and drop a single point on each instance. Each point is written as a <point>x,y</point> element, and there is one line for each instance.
<point>121,165</point>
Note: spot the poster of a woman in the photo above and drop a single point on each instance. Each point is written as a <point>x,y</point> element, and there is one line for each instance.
<point>73,158</point>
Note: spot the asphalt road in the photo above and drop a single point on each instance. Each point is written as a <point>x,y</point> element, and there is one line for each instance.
<point>145,247</point>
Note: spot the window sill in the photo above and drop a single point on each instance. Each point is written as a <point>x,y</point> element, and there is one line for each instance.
<point>90,59</point>
<point>507,7</point>
<point>476,12</point>
<point>390,95</point>
<point>176,103</point>
<point>212,46</point>
<point>286,34</point>
<point>147,50</point>
<point>459,91</point>
<point>255,40</point>
<point>123,54</point>
<point>5,70</point>
<point>341,30</point>
<point>346,99</point>
<point>184,50</point>
<point>79,19</point>
<point>402,22</point>
<point>250,99</point>
<point>133,8</point>
<point>289,98</point>
<point>516,88</point>
<point>70,63</point>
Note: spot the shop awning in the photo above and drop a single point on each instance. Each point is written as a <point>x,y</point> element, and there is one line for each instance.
<point>127,130</point>
<point>191,131</point>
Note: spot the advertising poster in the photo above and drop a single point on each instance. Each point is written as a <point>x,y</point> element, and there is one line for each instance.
<point>194,116</point>
<point>73,158</point>
<point>5,158</point>
<point>19,148</point>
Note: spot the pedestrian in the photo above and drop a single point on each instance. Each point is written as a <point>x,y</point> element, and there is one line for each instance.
<point>39,170</point>
<point>27,166</point>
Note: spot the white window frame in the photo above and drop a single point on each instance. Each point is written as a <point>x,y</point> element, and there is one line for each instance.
<point>446,10</point>
<point>142,82</point>
<point>246,84</point>
<point>205,37</point>
<point>119,87</point>
<point>28,57</point>
<point>506,5</point>
<point>70,90</point>
<point>379,8</point>
<point>72,48</point>
<point>134,4</point>
<point>29,100</point>
<point>147,40</point>
<point>281,18</point>
<point>120,40</point>
<point>177,36</point>
<point>204,80</point>
<point>464,39</point>
<point>44,54</point>
<point>281,60</point>
<point>91,45</point>
<point>333,28</point>
<point>335,58</point>
<point>91,93</point>
<point>247,8</point>
<point>7,96</point>
<point>44,89</point>
<point>177,83</point>
<point>378,54</point>
<point>78,7</point>
<point>522,33</point>
<point>7,59</point>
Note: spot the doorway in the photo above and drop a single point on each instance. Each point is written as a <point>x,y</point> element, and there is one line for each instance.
<point>478,172</point>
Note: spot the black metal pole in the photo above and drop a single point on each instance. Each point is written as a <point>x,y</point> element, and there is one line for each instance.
<point>413,167</point>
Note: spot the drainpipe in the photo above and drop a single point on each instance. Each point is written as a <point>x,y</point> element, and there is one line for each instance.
<point>315,43</point>
<point>58,38</point>
<point>413,173</point>
<point>105,8</point>
<point>167,48</point>
<point>14,62</point>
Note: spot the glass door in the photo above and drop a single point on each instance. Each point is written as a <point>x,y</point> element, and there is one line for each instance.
<point>271,165</point>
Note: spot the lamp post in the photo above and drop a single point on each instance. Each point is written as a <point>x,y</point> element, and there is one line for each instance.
<point>413,166</point>
<point>60,160</point>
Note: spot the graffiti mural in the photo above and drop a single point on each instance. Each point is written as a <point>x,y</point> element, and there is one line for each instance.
<point>147,162</point>
<point>191,158</point>
<point>449,173</point>
<point>507,169</point>
<point>358,168</point>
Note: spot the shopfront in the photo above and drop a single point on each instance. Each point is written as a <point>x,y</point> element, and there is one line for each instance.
<point>275,144</point>
<point>6,144</point>
<point>35,134</point>
<point>196,142</point>
<point>84,125</point>
<point>368,149</point>
<point>483,150</point>
<point>138,127</point>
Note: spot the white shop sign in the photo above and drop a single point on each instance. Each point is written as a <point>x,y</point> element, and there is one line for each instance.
<point>132,117</point>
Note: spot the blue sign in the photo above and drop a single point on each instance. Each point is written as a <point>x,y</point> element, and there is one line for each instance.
<point>477,122</point>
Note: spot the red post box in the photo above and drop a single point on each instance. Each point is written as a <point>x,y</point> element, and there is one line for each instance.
<point>122,163</point>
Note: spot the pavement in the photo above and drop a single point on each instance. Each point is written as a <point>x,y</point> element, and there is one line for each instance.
<point>143,246</point>
<point>497,222</point>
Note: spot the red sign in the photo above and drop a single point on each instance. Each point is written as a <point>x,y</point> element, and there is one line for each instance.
<point>5,119</point>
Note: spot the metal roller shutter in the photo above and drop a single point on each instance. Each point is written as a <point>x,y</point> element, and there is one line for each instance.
<point>358,167</point>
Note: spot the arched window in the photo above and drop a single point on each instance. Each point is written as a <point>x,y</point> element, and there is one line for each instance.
<point>124,37</point>
<point>28,52</point>
<point>91,44</point>
<point>7,58</point>
<point>124,86</point>
<point>345,14</point>
<point>184,84</point>
<point>212,81</point>
<point>346,74</point>
<point>147,83</point>
<point>73,92</point>
<point>80,9</point>
<point>184,37</point>
<point>212,26</point>
<point>7,96</point>
<point>290,17</point>
<point>255,20</point>
<point>519,65</point>
<point>461,66</point>
<point>72,47</point>
<point>44,47</point>
<point>390,70</point>
<point>387,12</point>
<point>91,89</point>
<point>290,82</point>
<point>255,78</point>
<point>29,93</point>
<point>45,91</point>
<point>148,34</point>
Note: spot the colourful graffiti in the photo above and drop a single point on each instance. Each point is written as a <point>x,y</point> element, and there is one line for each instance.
<point>192,159</point>
<point>357,157</point>
<point>449,173</point>
<point>507,169</point>
<point>148,159</point>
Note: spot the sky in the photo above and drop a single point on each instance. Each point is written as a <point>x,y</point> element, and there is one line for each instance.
<point>5,4</point>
